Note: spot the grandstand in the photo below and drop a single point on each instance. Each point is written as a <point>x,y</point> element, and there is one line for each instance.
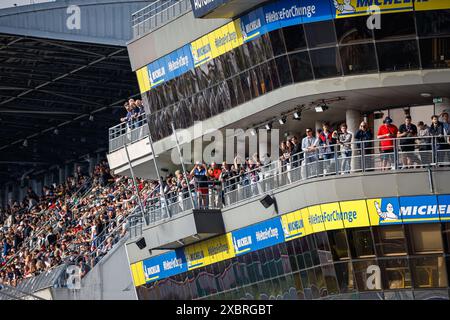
<point>246,150</point>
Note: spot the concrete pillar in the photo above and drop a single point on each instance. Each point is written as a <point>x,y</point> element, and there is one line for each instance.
<point>353,119</point>
<point>317,125</point>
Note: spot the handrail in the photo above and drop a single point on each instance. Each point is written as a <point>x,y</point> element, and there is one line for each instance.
<point>146,19</point>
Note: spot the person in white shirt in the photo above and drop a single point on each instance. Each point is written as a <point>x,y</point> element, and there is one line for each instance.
<point>345,139</point>
<point>309,147</point>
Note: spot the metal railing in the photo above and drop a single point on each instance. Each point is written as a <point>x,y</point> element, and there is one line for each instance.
<point>322,161</point>
<point>205,195</point>
<point>128,132</point>
<point>157,14</point>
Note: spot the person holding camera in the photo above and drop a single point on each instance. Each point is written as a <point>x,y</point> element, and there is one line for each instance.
<point>200,173</point>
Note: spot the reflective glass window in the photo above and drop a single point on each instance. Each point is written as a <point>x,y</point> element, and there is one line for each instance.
<point>345,277</point>
<point>367,275</point>
<point>338,245</point>
<point>398,55</point>
<point>395,273</point>
<point>360,242</point>
<point>284,71</point>
<point>352,30</point>
<point>395,26</point>
<point>294,37</point>
<point>301,66</point>
<point>245,85</point>
<point>320,34</point>
<point>429,272</point>
<point>274,77</point>
<point>431,23</point>
<point>359,58</point>
<point>326,63</point>
<point>390,240</point>
<point>426,238</point>
<point>435,53</point>
<point>277,41</point>
<point>298,286</point>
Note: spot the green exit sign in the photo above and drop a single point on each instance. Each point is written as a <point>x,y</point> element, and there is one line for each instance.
<point>437,100</point>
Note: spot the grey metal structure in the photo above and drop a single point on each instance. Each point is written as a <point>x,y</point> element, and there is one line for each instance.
<point>61,86</point>
<point>101,21</point>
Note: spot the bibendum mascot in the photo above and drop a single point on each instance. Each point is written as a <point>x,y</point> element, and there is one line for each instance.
<point>345,7</point>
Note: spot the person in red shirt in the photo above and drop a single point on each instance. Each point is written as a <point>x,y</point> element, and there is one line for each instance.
<point>214,173</point>
<point>386,133</point>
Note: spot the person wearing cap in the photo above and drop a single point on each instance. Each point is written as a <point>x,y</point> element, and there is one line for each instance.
<point>386,133</point>
<point>200,174</point>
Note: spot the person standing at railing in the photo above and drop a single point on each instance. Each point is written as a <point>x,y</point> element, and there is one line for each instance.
<point>386,133</point>
<point>345,142</point>
<point>214,173</point>
<point>423,132</point>
<point>200,172</point>
<point>329,140</point>
<point>309,147</point>
<point>407,133</point>
<point>228,180</point>
<point>445,147</point>
<point>438,133</point>
<point>296,157</point>
<point>364,145</point>
<point>285,152</point>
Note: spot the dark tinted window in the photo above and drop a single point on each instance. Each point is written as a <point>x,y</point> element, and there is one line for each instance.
<point>320,34</point>
<point>396,25</point>
<point>358,58</point>
<point>398,55</point>
<point>326,63</point>
<point>435,53</point>
<point>433,22</point>
<point>294,37</point>
<point>352,30</point>
<point>277,41</point>
<point>301,66</point>
<point>284,71</point>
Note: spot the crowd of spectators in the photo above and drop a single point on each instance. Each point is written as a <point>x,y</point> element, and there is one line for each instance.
<point>76,222</point>
<point>80,220</point>
<point>134,113</point>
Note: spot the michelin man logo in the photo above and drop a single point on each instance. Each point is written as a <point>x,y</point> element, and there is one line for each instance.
<point>345,7</point>
<point>389,214</point>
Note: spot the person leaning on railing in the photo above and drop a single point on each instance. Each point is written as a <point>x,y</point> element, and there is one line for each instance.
<point>364,145</point>
<point>309,147</point>
<point>344,140</point>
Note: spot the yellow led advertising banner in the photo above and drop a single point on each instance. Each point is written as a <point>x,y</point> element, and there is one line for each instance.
<point>293,225</point>
<point>286,227</point>
<point>209,251</point>
<point>143,79</point>
<point>355,213</point>
<point>351,8</point>
<point>421,5</point>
